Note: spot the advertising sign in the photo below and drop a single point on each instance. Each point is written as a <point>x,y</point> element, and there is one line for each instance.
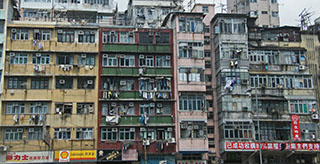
<point>250,146</point>
<point>109,155</point>
<point>29,157</point>
<point>295,128</point>
<point>70,155</point>
<point>130,155</point>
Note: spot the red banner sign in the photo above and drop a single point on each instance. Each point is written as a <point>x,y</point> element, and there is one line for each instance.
<point>295,127</point>
<point>271,146</point>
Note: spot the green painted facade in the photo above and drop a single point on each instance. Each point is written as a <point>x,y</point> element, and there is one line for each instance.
<point>136,48</point>
<point>135,121</point>
<point>135,72</point>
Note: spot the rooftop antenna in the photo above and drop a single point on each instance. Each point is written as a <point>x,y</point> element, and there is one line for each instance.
<point>190,4</point>
<point>305,16</point>
<point>222,6</point>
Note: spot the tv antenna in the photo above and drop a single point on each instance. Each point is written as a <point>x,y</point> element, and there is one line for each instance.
<point>222,6</point>
<point>305,16</point>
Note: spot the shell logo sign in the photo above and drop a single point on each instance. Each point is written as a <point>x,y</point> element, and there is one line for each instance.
<point>64,156</point>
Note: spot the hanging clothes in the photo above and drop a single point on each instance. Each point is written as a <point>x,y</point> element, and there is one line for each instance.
<point>36,119</point>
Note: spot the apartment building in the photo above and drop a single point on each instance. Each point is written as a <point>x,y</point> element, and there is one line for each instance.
<point>136,120</point>
<point>79,12</point>
<point>266,11</point>
<point>193,81</point>
<point>276,90</point>
<point>50,96</point>
<point>150,13</point>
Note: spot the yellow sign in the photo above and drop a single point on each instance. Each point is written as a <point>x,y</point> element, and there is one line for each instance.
<point>78,155</point>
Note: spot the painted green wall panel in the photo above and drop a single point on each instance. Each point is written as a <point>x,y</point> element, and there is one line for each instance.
<point>136,48</point>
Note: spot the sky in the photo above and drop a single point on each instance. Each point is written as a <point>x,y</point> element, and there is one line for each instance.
<point>289,9</point>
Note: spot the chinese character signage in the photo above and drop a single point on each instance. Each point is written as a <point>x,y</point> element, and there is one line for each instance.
<point>109,155</point>
<point>29,157</point>
<point>295,128</point>
<point>250,146</point>
<point>129,155</point>
<point>191,162</point>
<point>66,156</point>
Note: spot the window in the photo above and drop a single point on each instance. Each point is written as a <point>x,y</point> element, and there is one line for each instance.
<point>15,108</point>
<point>84,133</point>
<point>208,78</point>
<point>147,109</point>
<point>271,131</point>
<point>110,37</point>
<point>86,82</point>
<point>233,129</point>
<point>253,1</point>
<point>18,58</point>
<point>86,36</point>
<point>164,134</point>
<point>206,40</point>
<point>146,37</point>
<point>64,83</point>
<point>109,109</point>
<point>165,11</point>
<point>126,133</point>
<point>211,142</point>
<point>232,26</point>
<point>210,130</point>
<point>162,37</point>
<point>126,85</point>
<point>163,61</point>
<point>193,129</point>
<point>275,13</point>
<point>127,109</point>
<point>111,84</point>
<point>1,4</point>
<point>17,83</point>
<point>127,37</point>
<point>63,108</point>
<point>38,108</point>
<point>109,134</point>
<point>62,133</point>
<point>274,1</point>
<point>40,83</point>
<point>187,24</point>
<point>65,59</point>
<point>12,134</point>
<point>302,106</point>
<point>39,58</point>
<point>146,61</point>
<point>264,12</point>
<point>146,84</point>
<point>206,29</point>
<point>41,34</point>
<point>85,108</point>
<point>35,134</point>
<point>207,54</point>
<point>91,2</point>
<point>308,131</point>
<point>126,60</point>
<point>163,84</point>
<point>85,59</point>
<point>191,74</point>
<point>207,64</point>
<point>65,36</point>
<point>19,34</point>
<point>110,60</point>
<point>205,9</point>
<point>148,133</point>
<point>192,102</point>
<point>164,109</point>
<point>191,50</point>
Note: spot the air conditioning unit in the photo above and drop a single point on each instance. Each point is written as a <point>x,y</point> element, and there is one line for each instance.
<point>114,129</point>
<point>150,33</point>
<point>302,67</point>
<point>90,82</point>
<point>157,33</point>
<point>112,32</point>
<point>62,81</point>
<point>245,109</point>
<point>60,31</point>
<point>31,129</point>
<point>80,32</point>
<point>12,54</point>
<point>3,148</point>
<point>113,104</point>
<point>305,131</point>
<point>195,126</point>
<point>141,56</point>
<point>172,140</point>
<point>169,129</point>
<point>131,33</point>
<point>132,129</point>
<point>168,57</point>
<point>181,18</point>
<point>83,55</point>
<point>131,104</point>
<point>123,82</point>
<point>159,105</point>
<point>92,32</point>
<point>36,30</point>
<point>13,30</point>
<point>142,129</point>
<point>105,55</point>
<point>38,54</point>
<point>20,130</point>
<point>15,104</point>
<point>80,106</point>
<point>244,82</point>
<point>183,126</point>
<point>37,104</point>
<point>315,116</point>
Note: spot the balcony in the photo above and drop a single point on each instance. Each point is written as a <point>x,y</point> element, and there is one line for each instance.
<point>135,121</point>
<point>27,94</point>
<point>133,48</point>
<point>135,95</point>
<point>135,72</point>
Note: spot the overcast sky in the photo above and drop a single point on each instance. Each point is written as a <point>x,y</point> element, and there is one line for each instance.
<point>289,9</point>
